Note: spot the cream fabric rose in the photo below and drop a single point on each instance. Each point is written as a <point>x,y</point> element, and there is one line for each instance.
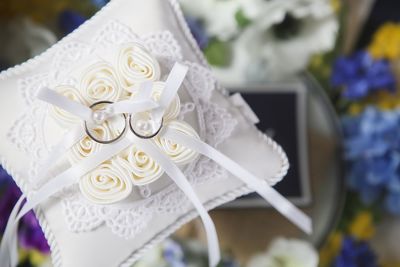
<point>85,147</point>
<point>64,117</point>
<point>113,181</point>
<point>143,168</point>
<point>100,82</point>
<point>107,184</point>
<point>136,65</point>
<point>176,152</point>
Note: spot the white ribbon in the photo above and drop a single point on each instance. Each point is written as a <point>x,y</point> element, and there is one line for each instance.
<point>8,251</point>
<point>86,113</point>
<point>259,185</point>
<point>180,180</point>
<point>140,104</point>
<point>55,185</point>
<point>67,141</point>
<point>75,108</point>
<point>8,247</point>
<point>172,85</point>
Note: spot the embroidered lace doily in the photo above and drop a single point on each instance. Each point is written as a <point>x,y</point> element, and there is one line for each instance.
<point>214,123</point>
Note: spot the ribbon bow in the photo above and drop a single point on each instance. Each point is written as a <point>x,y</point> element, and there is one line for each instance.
<point>142,103</point>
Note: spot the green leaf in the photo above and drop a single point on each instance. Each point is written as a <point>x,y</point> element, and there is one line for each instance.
<point>218,53</point>
<point>241,19</point>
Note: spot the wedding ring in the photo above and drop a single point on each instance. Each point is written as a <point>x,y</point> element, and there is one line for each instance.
<point>143,125</point>
<point>99,117</point>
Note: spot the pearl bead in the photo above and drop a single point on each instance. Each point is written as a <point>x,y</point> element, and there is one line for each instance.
<point>99,116</point>
<point>142,125</point>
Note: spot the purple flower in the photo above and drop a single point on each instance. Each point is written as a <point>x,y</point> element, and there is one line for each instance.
<point>360,74</point>
<point>30,234</point>
<point>198,32</point>
<point>8,198</point>
<point>4,177</point>
<point>355,254</point>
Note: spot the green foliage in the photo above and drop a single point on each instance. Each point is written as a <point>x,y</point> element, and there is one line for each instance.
<point>218,53</point>
<point>241,19</point>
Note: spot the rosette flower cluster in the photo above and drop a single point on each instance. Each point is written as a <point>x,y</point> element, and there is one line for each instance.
<point>114,179</point>
<point>372,149</point>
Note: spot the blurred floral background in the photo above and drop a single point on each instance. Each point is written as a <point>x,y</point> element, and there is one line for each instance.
<point>260,41</point>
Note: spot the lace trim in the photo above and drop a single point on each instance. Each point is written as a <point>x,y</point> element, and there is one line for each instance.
<point>215,125</point>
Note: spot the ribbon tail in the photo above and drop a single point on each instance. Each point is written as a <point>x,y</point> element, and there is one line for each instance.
<point>172,85</point>
<point>284,206</point>
<point>8,247</point>
<point>63,180</point>
<point>180,180</point>
<point>67,141</point>
<point>54,98</point>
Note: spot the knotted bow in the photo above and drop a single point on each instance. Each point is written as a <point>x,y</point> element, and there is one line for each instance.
<point>141,103</point>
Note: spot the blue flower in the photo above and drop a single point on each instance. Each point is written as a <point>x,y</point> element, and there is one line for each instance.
<point>198,32</point>
<point>360,74</point>
<point>70,20</point>
<point>355,254</point>
<point>372,151</point>
<point>392,203</point>
<point>369,193</point>
<point>173,253</point>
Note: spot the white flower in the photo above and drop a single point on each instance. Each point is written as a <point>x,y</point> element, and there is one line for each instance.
<point>113,181</point>
<point>218,16</point>
<point>86,146</point>
<point>135,65</point>
<point>265,52</point>
<point>142,168</point>
<point>176,152</point>
<point>286,253</point>
<point>107,184</point>
<point>99,83</point>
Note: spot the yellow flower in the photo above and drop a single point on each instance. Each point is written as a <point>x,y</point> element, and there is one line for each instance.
<point>383,100</point>
<point>387,101</point>
<point>336,5</point>
<point>386,42</point>
<point>362,226</point>
<point>331,249</point>
<point>355,109</point>
<point>34,256</point>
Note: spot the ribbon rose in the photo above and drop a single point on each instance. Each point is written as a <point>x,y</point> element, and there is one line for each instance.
<point>136,65</point>
<point>107,184</point>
